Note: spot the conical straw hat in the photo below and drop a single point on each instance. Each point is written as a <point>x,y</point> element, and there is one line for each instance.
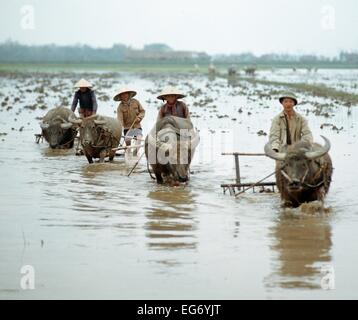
<point>124,90</point>
<point>83,83</point>
<point>170,91</point>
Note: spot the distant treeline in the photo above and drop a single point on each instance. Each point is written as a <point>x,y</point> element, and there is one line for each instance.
<point>11,52</point>
<point>344,58</point>
<point>119,53</point>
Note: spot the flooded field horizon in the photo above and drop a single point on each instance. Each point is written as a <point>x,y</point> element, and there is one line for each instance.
<point>90,231</point>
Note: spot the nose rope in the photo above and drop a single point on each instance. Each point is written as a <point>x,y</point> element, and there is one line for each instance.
<point>316,176</point>
<point>286,176</point>
<point>305,176</point>
<point>68,142</point>
<point>302,181</point>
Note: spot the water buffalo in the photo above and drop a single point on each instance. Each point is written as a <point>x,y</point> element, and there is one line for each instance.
<point>303,171</point>
<point>250,71</point>
<point>212,70</point>
<point>57,130</point>
<point>232,71</point>
<point>98,136</point>
<point>170,147</point>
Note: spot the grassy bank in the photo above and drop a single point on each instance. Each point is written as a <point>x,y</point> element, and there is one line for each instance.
<point>317,90</point>
<point>144,67</point>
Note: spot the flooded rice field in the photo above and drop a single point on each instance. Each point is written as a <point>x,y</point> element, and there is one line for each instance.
<point>339,79</point>
<point>90,231</point>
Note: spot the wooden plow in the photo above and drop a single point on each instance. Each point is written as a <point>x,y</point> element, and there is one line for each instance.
<point>240,187</point>
<point>39,137</point>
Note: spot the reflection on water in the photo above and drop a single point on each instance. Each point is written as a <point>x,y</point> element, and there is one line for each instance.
<point>170,223</point>
<point>232,81</point>
<point>91,170</point>
<point>97,188</point>
<point>302,245</point>
<point>48,152</point>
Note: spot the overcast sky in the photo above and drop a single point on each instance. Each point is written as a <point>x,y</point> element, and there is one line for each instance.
<point>225,26</point>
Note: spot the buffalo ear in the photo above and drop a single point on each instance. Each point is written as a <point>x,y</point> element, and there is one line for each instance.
<point>74,120</point>
<point>44,126</point>
<point>66,125</point>
<point>99,122</point>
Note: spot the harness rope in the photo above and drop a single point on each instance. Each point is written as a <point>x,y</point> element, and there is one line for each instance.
<point>104,133</point>
<point>316,176</point>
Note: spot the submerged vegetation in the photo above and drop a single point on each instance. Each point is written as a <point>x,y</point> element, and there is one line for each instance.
<point>316,90</point>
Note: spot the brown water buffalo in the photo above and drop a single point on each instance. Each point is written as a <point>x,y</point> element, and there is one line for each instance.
<point>98,136</point>
<point>212,70</point>
<point>170,147</point>
<point>303,172</point>
<point>57,129</point>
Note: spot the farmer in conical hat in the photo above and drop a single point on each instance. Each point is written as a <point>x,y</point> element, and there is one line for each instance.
<point>130,113</point>
<point>173,106</point>
<point>289,126</point>
<point>86,97</point>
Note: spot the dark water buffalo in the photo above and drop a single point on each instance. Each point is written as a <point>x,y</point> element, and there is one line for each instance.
<point>98,135</point>
<point>303,172</point>
<point>57,129</point>
<point>232,71</point>
<point>250,71</point>
<point>170,147</point>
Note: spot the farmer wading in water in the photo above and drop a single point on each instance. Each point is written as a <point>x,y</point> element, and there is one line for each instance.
<point>86,97</point>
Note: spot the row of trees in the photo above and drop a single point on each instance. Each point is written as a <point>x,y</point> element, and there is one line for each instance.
<point>157,52</point>
<point>342,58</point>
<point>119,53</point>
<point>15,52</point>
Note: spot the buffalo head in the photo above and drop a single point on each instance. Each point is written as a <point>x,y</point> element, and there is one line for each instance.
<point>296,163</point>
<point>90,130</point>
<point>173,149</point>
<point>56,131</point>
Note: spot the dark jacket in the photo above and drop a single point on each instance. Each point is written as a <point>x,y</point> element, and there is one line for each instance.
<point>87,100</point>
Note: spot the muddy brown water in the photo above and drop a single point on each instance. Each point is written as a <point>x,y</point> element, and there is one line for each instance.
<point>89,231</point>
